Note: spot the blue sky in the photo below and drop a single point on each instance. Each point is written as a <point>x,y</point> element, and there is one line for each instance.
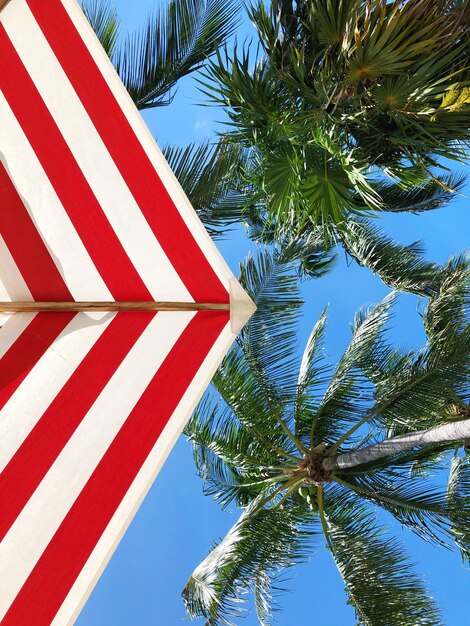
<point>176,524</point>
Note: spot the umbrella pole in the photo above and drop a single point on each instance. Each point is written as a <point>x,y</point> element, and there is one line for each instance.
<point>37,307</point>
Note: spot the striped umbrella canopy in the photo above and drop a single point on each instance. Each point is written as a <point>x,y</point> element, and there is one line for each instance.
<point>126,309</point>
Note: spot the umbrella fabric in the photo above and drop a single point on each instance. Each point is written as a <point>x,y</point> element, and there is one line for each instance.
<point>90,403</point>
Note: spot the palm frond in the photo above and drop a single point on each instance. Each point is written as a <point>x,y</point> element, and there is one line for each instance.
<point>257,379</point>
<point>421,395</point>
<point>264,600</point>
<point>251,556</point>
<point>243,388</point>
<point>349,392</point>
<point>400,267</point>
<point>447,315</point>
<point>313,375</point>
<point>419,390</point>
<point>418,504</point>
<point>209,175</point>
<point>104,20</point>
<point>174,42</point>
<point>378,576</point>
<point>459,502</point>
<point>433,194</point>
<point>312,248</point>
<point>235,458</point>
<point>269,339</point>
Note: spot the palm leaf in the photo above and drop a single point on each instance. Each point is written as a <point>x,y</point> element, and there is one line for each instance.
<point>104,20</point>
<point>243,389</point>
<point>235,460</point>
<point>314,373</point>
<point>447,315</point>
<point>417,504</point>
<point>257,378</point>
<point>269,339</point>
<point>349,393</point>
<point>458,491</point>
<point>418,391</point>
<point>379,578</point>
<point>251,556</point>
<point>175,41</point>
<point>400,267</point>
<point>209,175</point>
<point>433,194</point>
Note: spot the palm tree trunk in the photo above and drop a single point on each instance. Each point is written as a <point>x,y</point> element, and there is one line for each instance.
<point>454,431</point>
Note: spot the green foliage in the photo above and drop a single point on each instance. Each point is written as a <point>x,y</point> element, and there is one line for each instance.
<point>379,579</point>
<point>209,175</point>
<point>104,20</point>
<point>459,500</point>
<point>415,391</point>
<point>269,413</point>
<point>251,556</point>
<point>417,503</point>
<point>176,40</point>
<point>343,95</point>
<point>402,267</point>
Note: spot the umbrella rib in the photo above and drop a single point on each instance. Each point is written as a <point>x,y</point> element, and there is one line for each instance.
<point>36,307</point>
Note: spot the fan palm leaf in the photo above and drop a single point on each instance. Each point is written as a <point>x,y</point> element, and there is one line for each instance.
<point>401,267</point>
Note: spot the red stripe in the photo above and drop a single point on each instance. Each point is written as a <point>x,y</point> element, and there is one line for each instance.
<point>28,349</point>
<point>66,177</point>
<point>29,465</point>
<point>127,152</point>
<point>53,576</point>
<point>26,246</point>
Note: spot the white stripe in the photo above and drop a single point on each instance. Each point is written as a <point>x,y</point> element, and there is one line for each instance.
<point>10,275</point>
<point>12,284</point>
<point>13,328</point>
<point>128,507</point>
<point>46,379</point>
<point>105,180</point>
<point>51,220</point>
<point>149,144</point>
<point>44,512</point>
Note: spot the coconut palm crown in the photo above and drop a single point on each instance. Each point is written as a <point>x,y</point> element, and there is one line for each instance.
<point>295,447</point>
<point>344,95</point>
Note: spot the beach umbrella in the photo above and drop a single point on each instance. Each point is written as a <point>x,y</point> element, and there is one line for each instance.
<point>116,310</point>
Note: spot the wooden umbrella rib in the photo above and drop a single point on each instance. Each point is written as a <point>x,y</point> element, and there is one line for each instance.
<point>3,4</point>
<point>36,307</point>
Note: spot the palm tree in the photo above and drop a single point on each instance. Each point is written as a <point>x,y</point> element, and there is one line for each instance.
<point>152,60</point>
<point>296,449</point>
<point>344,95</point>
